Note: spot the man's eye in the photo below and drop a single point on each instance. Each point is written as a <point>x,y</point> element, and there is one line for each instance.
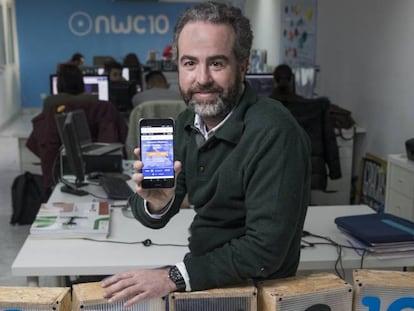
<point>188,63</point>
<point>217,65</point>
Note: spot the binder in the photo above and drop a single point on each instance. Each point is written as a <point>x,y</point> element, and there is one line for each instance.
<point>377,229</point>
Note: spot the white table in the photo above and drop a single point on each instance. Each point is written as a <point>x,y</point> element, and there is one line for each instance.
<point>320,221</point>
<point>52,257</point>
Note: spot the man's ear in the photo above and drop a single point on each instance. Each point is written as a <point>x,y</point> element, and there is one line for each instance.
<point>244,67</point>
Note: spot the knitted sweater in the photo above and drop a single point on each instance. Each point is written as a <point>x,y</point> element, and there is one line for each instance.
<point>249,185</point>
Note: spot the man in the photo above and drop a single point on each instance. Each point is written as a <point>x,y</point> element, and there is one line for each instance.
<point>242,160</point>
<point>77,59</point>
<point>157,87</point>
<point>284,84</point>
<point>114,70</point>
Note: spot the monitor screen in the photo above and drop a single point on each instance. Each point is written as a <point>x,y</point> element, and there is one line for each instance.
<point>121,93</point>
<point>125,73</point>
<point>261,83</point>
<point>94,84</point>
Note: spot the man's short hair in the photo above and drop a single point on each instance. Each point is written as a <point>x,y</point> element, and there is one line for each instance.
<point>219,14</point>
<point>156,77</point>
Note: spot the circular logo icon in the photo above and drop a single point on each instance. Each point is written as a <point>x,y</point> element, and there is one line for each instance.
<point>80,23</point>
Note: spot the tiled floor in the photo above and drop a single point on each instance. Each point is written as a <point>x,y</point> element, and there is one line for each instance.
<point>11,237</point>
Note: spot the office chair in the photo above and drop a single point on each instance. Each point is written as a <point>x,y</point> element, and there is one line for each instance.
<point>313,115</point>
<point>120,95</point>
<point>105,123</point>
<point>149,109</point>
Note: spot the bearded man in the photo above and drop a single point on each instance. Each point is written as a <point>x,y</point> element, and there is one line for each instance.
<point>243,161</point>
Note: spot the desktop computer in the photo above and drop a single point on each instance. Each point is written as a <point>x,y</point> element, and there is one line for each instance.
<point>110,162</point>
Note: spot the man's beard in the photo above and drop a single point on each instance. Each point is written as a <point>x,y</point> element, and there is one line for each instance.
<point>218,107</point>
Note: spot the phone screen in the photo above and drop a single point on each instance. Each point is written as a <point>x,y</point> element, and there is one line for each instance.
<point>157,152</point>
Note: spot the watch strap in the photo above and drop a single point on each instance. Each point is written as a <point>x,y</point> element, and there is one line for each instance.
<point>175,275</point>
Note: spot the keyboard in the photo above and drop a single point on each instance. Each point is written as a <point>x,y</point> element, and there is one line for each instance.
<point>115,188</point>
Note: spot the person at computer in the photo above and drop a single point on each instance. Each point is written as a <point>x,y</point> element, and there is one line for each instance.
<point>114,70</point>
<point>77,59</point>
<point>132,62</point>
<point>157,87</point>
<point>284,84</point>
<point>243,160</point>
<point>314,117</point>
<point>70,87</point>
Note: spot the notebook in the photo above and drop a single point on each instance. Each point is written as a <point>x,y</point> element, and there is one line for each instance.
<point>85,138</point>
<point>377,229</point>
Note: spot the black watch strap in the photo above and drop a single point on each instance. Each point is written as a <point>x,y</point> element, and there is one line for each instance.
<point>175,276</point>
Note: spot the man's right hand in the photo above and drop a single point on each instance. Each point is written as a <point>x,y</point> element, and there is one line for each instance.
<point>156,199</point>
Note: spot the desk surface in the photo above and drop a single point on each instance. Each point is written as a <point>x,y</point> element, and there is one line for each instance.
<point>48,257</point>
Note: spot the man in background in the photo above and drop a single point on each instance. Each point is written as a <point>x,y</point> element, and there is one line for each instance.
<point>114,70</point>
<point>157,87</point>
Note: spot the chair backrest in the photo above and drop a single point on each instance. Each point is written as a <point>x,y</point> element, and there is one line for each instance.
<point>121,93</point>
<point>149,109</point>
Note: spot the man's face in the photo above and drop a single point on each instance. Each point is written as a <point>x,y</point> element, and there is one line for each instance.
<point>210,78</point>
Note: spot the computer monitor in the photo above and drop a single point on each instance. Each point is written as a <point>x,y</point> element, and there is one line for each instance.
<point>73,150</point>
<point>125,73</point>
<point>261,83</point>
<point>133,74</point>
<point>94,84</point>
<point>100,61</point>
<point>121,93</point>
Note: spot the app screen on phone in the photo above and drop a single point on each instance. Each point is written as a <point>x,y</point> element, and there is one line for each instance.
<point>157,152</point>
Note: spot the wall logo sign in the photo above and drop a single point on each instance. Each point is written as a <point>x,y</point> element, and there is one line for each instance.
<point>82,24</point>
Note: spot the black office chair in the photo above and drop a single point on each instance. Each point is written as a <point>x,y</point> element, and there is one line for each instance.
<point>120,95</point>
<point>314,117</point>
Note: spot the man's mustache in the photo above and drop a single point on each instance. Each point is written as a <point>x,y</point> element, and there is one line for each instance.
<point>211,88</point>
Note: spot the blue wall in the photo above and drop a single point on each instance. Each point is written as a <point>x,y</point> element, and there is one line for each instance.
<point>50,31</point>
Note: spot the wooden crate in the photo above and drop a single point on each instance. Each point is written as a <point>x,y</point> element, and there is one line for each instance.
<point>243,298</point>
<point>35,298</point>
<point>383,290</point>
<point>89,296</point>
<point>318,291</point>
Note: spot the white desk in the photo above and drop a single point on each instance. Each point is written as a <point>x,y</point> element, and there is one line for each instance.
<point>320,221</point>
<point>48,257</point>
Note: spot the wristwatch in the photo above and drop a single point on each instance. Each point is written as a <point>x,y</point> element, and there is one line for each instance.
<point>175,275</point>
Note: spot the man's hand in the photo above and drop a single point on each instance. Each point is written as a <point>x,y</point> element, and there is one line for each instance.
<point>138,285</point>
<point>156,199</point>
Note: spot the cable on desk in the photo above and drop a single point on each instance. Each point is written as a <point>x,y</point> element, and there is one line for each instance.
<point>339,248</point>
<point>146,242</point>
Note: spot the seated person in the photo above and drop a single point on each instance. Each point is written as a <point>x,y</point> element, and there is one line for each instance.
<point>157,87</point>
<point>313,115</point>
<point>114,70</point>
<point>284,84</point>
<point>77,59</point>
<point>70,87</point>
<point>131,61</point>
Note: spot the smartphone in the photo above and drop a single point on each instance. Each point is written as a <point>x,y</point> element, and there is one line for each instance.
<point>157,152</point>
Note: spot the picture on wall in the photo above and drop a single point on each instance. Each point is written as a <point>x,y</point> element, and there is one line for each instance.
<point>299,32</point>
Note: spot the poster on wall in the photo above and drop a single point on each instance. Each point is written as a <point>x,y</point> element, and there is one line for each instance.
<point>299,32</point>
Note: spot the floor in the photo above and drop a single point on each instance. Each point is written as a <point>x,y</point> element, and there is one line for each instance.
<point>12,237</point>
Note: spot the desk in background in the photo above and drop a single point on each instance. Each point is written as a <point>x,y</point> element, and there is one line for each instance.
<point>48,257</point>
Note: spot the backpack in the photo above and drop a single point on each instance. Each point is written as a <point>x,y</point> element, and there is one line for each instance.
<point>27,193</point>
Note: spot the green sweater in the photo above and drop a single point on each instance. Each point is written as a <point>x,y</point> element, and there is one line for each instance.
<point>249,185</point>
